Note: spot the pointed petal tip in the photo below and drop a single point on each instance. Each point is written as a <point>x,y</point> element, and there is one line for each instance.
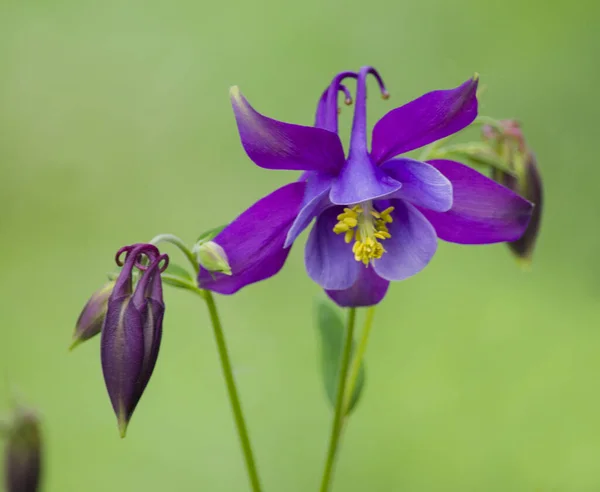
<point>234,92</point>
<point>431,117</point>
<point>123,427</point>
<point>525,263</point>
<point>75,343</point>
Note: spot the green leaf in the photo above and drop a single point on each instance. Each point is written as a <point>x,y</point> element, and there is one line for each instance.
<point>210,234</point>
<point>177,276</point>
<point>178,271</point>
<point>332,332</point>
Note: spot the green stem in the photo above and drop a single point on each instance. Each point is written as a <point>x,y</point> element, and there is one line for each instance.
<point>5,428</point>
<point>488,120</point>
<point>432,148</point>
<point>358,358</point>
<point>170,238</point>
<point>236,406</point>
<point>336,427</point>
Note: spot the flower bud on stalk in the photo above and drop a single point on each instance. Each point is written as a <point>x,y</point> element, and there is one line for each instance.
<point>213,258</point>
<point>525,179</point>
<point>91,319</point>
<point>132,329</point>
<point>22,460</point>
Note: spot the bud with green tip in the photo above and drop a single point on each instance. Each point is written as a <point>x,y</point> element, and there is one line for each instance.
<point>91,319</point>
<point>213,258</point>
<point>22,460</point>
<point>524,178</point>
<point>132,330</point>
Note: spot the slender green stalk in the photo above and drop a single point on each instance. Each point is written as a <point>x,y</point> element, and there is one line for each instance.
<point>358,358</point>
<point>488,120</point>
<point>236,406</point>
<point>336,427</point>
<point>430,150</point>
<point>170,238</point>
<point>234,398</point>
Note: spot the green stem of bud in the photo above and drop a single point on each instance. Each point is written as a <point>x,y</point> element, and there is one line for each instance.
<point>430,151</point>
<point>477,153</point>
<point>4,428</point>
<point>174,240</point>
<point>482,120</point>
<point>234,398</point>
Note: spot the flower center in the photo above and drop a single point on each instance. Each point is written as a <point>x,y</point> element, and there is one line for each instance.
<point>366,226</point>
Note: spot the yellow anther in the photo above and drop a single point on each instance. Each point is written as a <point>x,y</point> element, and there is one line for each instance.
<point>385,215</point>
<point>340,227</point>
<point>366,227</point>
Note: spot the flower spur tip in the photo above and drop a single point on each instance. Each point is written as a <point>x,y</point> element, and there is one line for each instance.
<point>234,92</point>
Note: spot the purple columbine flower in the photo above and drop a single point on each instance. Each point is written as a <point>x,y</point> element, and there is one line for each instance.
<point>378,216</point>
<point>132,329</point>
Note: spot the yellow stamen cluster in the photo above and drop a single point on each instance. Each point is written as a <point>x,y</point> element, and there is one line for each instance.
<point>367,227</point>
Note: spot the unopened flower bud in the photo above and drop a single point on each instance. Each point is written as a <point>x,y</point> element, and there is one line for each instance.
<point>23,451</point>
<point>213,258</point>
<point>524,178</point>
<point>91,319</point>
<point>132,330</point>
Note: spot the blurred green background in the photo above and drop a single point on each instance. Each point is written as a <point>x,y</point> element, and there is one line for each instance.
<point>115,125</point>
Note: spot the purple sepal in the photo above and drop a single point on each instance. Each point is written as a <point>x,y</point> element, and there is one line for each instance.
<point>482,212</point>
<point>273,144</point>
<point>254,242</point>
<point>433,116</point>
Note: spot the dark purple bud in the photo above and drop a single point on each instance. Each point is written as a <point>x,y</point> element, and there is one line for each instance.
<point>22,460</point>
<point>133,329</point>
<point>525,179</point>
<point>91,319</point>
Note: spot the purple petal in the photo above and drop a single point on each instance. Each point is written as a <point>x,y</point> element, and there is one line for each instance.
<point>329,260</point>
<point>315,201</point>
<point>483,211</point>
<point>273,144</point>
<point>368,290</point>
<point>91,319</point>
<point>411,247</point>
<point>321,114</point>
<point>152,322</point>
<point>254,241</point>
<point>360,180</point>
<point>432,116</point>
<point>122,355</point>
<point>422,184</point>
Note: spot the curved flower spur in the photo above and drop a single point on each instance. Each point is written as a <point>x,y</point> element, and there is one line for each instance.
<point>378,216</point>
<point>132,329</point>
